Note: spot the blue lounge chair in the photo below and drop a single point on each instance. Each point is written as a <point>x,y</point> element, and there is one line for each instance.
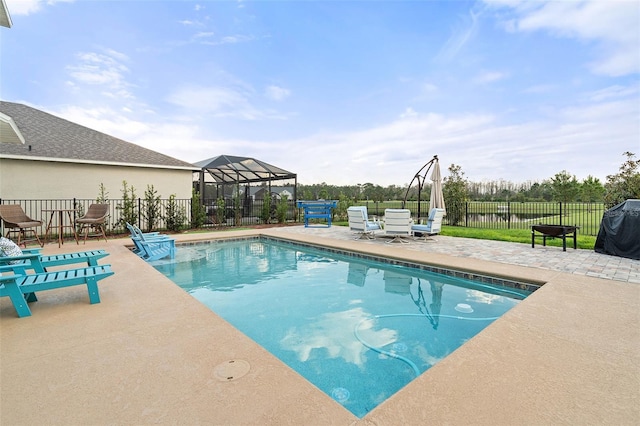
<point>433,225</point>
<point>137,235</point>
<point>22,288</point>
<point>135,232</point>
<point>152,246</point>
<point>157,249</point>
<point>359,222</point>
<point>39,263</point>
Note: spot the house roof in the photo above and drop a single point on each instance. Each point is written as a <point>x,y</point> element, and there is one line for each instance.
<point>50,138</point>
<point>233,169</point>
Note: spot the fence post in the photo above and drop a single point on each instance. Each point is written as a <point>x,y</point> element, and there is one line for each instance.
<point>508,214</point>
<point>466,214</point>
<point>560,212</point>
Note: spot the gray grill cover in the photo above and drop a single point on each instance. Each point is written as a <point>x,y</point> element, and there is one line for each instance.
<point>619,233</point>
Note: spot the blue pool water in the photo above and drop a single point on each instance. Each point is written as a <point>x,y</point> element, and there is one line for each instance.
<point>359,329</point>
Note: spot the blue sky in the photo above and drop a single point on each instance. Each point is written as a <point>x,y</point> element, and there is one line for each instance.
<point>343,92</point>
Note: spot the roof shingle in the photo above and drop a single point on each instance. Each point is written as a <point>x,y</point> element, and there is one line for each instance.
<point>52,137</point>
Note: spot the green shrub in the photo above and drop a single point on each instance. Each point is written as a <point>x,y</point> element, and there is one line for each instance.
<point>127,207</point>
<point>198,211</point>
<point>221,211</point>
<point>281,209</point>
<point>176,216</point>
<point>152,206</point>
<point>265,213</point>
<point>103,195</point>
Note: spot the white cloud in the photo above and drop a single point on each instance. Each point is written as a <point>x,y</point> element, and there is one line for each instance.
<point>102,69</point>
<point>27,7</point>
<point>409,112</point>
<point>614,92</point>
<point>571,139</point>
<point>540,88</point>
<point>234,101</point>
<point>467,28</point>
<point>277,93</point>
<point>217,101</point>
<point>612,25</point>
<point>204,35</point>
<point>490,77</point>
<point>106,120</point>
<point>232,39</point>
<point>429,88</point>
<point>23,7</point>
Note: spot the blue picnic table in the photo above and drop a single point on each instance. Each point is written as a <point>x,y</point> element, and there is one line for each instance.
<point>320,209</point>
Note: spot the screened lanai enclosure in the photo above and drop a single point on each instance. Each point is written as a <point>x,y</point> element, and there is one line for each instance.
<point>242,190</point>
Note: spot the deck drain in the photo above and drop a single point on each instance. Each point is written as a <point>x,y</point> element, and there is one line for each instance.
<point>232,370</point>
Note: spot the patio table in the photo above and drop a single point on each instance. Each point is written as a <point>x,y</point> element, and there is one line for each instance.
<point>61,224</point>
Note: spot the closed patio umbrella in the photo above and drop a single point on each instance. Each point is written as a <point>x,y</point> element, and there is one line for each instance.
<point>437,198</point>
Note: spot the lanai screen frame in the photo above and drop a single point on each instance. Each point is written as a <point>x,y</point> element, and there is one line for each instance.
<point>236,170</point>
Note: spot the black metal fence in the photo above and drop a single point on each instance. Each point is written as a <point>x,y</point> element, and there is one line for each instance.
<point>507,215</point>
<point>492,215</point>
<point>244,215</point>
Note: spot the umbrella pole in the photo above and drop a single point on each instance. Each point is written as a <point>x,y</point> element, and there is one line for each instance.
<point>420,183</point>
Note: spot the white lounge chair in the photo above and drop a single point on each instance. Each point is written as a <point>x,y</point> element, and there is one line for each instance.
<point>397,224</point>
<point>433,225</point>
<point>359,222</point>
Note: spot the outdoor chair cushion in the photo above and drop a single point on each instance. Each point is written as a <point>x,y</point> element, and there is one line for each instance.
<point>9,249</point>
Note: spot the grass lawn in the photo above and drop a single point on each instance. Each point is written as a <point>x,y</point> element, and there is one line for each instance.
<point>586,242</point>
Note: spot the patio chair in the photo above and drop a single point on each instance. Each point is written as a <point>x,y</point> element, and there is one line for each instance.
<point>21,288</point>
<point>433,225</point>
<point>135,237</point>
<point>152,246</point>
<point>16,221</point>
<point>359,222</point>
<point>397,224</point>
<point>155,249</point>
<point>95,219</point>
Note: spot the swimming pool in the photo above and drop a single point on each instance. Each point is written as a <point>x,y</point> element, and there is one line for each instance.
<point>356,327</point>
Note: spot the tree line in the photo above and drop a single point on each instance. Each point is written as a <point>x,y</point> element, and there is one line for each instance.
<point>563,186</point>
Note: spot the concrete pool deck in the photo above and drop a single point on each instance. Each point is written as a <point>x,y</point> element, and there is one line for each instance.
<point>150,353</point>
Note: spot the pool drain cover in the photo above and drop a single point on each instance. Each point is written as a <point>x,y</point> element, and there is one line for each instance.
<point>463,307</point>
<point>340,394</point>
<point>232,370</point>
